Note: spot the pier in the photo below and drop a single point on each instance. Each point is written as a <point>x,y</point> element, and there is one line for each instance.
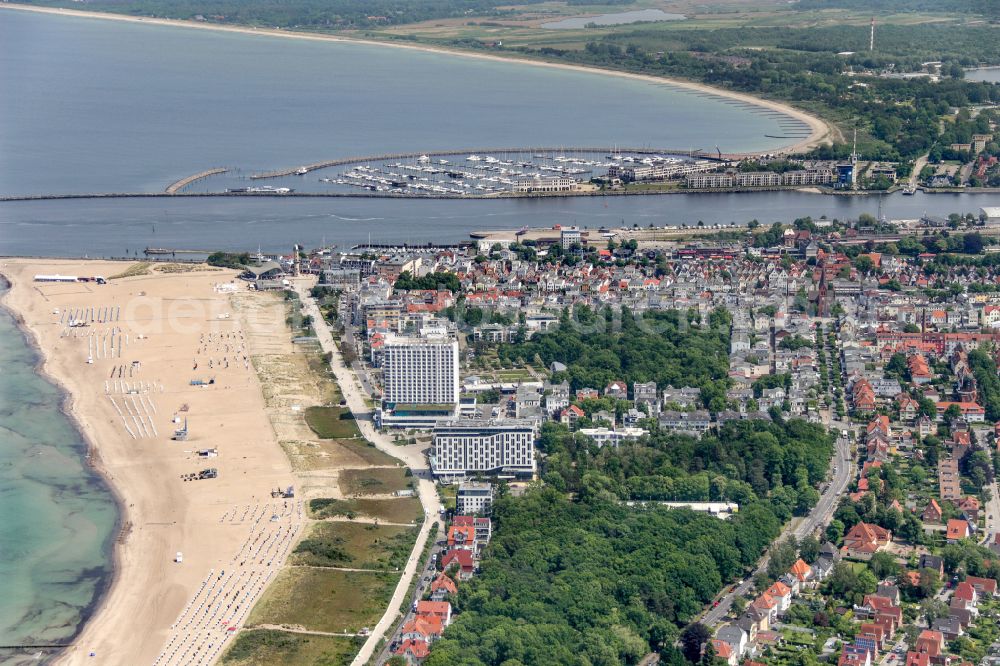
<point>176,186</point>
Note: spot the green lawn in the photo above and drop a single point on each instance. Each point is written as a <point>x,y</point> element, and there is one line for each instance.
<point>332,422</point>
<point>266,647</point>
<point>379,481</point>
<point>397,510</point>
<point>325,599</point>
<point>355,546</point>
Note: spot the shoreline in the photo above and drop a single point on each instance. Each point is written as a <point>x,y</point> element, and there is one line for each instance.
<point>821,132</point>
<point>91,458</point>
<point>171,317</point>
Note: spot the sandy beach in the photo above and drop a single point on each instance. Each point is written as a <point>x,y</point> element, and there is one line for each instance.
<point>820,131</point>
<point>128,366</point>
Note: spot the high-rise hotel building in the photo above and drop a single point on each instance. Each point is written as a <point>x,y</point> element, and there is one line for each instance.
<point>420,379</point>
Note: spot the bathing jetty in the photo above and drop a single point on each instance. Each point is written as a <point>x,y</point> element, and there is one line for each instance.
<point>175,187</point>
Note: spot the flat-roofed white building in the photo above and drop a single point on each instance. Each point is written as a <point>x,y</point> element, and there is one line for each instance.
<point>505,448</point>
<point>474,497</point>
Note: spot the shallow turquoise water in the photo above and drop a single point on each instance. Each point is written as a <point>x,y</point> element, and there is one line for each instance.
<point>57,517</point>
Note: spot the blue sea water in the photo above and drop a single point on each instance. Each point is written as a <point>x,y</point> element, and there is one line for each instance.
<point>57,516</point>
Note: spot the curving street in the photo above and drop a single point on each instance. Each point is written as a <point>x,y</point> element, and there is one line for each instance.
<point>820,515</point>
<point>411,456</point>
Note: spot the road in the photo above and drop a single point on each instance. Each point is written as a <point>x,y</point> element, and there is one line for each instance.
<point>411,456</point>
<point>918,166</point>
<point>818,517</point>
<point>992,510</point>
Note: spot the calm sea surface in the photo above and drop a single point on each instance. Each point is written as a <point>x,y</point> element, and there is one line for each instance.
<point>57,517</point>
<point>102,106</point>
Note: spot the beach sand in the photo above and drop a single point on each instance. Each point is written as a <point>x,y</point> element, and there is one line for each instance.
<point>229,524</point>
<point>820,131</point>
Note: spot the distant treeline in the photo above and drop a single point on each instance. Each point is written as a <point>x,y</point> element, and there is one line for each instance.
<point>987,7</point>
<point>897,118</point>
<point>310,14</point>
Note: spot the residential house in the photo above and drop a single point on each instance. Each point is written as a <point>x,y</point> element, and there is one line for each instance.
<point>982,586</point>
<point>617,390</point>
<point>932,562</point>
<point>957,529</point>
<point>932,514</point>
<point>864,540</point>
<point>443,587</point>
<point>413,651</point>
<point>439,609</point>
<point>802,572</point>
<point>970,507</point>
<point>735,637</point>
<point>724,652</point>
<point>422,628</point>
<point>462,559</point>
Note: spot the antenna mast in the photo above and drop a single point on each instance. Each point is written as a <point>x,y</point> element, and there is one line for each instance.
<point>871,40</point>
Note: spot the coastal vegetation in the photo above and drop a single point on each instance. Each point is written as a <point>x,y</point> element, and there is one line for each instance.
<point>355,545</point>
<point>263,647</point>
<point>237,260</point>
<point>377,481</point>
<point>396,510</point>
<point>324,599</point>
<point>331,422</point>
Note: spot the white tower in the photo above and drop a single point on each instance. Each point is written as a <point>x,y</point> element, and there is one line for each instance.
<point>871,40</point>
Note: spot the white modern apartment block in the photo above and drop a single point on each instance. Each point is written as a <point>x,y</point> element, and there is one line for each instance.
<point>474,497</point>
<point>420,379</point>
<point>505,448</point>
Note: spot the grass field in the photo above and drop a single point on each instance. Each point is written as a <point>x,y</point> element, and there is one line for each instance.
<point>355,546</point>
<point>324,599</point>
<point>332,422</point>
<point>266,647</point>
<point>379,481</point>
<point>398,510</point>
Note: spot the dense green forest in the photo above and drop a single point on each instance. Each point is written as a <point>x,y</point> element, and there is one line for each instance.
<point>744,462</point>
<point>590,580</point>
<point>593,581</point>
<point>669,348</point>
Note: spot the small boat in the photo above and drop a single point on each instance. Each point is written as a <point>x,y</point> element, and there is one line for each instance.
<point>910,190</point>
<point>157,250</point>
<point>301,171</point>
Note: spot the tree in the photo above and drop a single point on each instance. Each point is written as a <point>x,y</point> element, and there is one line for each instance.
<point>933,609</point>
<point>883,565</point>
<point>693,640</point>
<point>972,243</point>
<point>834,531</point>
<point>809,549</point>
<point>739,605</point>
<point>952,414</point>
